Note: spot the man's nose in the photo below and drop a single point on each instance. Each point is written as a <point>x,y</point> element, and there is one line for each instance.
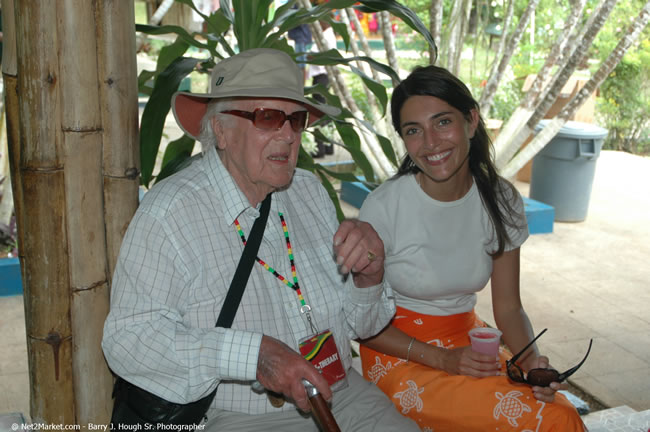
<point>286,132</point>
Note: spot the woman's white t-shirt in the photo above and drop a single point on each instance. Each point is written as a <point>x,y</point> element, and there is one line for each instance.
<point>437,253</point>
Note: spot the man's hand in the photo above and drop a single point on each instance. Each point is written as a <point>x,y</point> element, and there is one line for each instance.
<point>360,250</point>
<point>280,369</point>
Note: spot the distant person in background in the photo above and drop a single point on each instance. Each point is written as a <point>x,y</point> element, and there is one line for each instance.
<point>301,36</point>
<point>319,75</point>
<point>373,23</point>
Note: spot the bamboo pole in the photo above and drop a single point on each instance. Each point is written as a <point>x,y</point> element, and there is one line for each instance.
<point>78,170</point>
<point>45,266</point>
<point>119,107</point>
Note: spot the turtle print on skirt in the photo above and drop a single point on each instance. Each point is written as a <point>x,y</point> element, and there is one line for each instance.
<point>441,402</point>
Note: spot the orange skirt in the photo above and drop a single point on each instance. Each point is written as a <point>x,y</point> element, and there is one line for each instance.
<point>440,402</point>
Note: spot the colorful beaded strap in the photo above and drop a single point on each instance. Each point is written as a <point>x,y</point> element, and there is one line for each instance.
<point>305,308</point>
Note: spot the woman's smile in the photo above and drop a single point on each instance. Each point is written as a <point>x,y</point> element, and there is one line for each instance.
<point>437,138</point>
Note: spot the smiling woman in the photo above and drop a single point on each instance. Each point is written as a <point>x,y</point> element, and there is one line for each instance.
<point>450,224</point>
<point>437,137</point>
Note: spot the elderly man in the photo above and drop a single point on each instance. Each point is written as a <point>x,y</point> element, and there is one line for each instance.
<point>184,243</point>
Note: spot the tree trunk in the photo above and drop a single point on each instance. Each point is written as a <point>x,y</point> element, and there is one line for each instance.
<point>375,115</point>
<point>389,42</point>
<point>495,77</point>
<point>551,94</point>
<point>370,147</point>
<point>435,27</point>
<point>466,8</point>
<point>179,14</point>
<point>161,12</point>
<point>575,43</point>
<point>120,137</point>
<point>372,101</point>
<point>78,166</point>
<point>554,126</point>
<point>361,37</point>
<point>455,26</point>
<point>397,142</point>
<point>501,46</point>
<point>525,108</point>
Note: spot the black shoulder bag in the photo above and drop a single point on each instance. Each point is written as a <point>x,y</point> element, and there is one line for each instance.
<point>135,406</point>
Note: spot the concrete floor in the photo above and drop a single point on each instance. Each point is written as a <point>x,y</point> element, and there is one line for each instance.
<point>591,279</point>
<point>585,280</point>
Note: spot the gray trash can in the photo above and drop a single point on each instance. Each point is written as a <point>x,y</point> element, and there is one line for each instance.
<point>563,172</point>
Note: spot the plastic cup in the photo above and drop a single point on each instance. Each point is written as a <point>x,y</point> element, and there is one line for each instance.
<point>485,340</point>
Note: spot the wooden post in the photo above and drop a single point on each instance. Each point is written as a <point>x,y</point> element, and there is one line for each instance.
<point>78,175</point>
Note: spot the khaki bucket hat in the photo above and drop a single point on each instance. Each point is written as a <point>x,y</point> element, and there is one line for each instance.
<point>259,73</point>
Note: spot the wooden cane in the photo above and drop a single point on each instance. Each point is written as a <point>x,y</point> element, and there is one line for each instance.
<point>321,409</point>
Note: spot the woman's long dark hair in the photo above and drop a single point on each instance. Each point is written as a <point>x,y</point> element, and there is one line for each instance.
<point>442,84</point>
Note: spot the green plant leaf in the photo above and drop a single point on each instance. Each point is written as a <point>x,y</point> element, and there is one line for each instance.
<point>224,7</point>
<point>332,194</point>
<point>249,26</point>
<point>387,147</point>
<point>342,30</point>
<point>305,161</point>
<point>217,24</point>
<point>376,88</point>
<point>279,44</point>
<point>334,57</point>
<point>353,146</point>
<point>283,13</point>
<point>156,110</point>
<point>180,161</point>
<point>316,13</point>
<point>407,15</point>
<point>144,77</point>
<point>169,53</point>
<point>180,31</point>
<point>343,176</point>
<point>182,145</point>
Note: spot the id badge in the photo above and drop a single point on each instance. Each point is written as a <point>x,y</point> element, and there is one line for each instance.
<point>320,350</point>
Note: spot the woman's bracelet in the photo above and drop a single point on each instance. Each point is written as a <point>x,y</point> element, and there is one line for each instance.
<point>408,350</point>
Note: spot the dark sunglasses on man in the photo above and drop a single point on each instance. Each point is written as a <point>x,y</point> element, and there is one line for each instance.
<point>272,119</point>
<point>539,377</point>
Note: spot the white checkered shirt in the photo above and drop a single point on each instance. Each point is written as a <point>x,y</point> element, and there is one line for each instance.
<point>174,269</point>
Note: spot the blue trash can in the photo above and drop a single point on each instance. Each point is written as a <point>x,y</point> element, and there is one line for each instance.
<point>563,171</point>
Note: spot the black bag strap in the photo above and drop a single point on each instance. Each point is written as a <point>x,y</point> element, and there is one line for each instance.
<point>246,262</point>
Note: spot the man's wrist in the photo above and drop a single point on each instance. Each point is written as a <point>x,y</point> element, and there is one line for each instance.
<point>365,281</point>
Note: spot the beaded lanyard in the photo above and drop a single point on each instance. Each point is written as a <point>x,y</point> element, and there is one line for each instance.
<point>304,308</point>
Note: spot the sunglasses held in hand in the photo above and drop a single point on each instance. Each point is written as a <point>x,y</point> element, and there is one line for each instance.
<point>539,377</point>
<point>272,119</point>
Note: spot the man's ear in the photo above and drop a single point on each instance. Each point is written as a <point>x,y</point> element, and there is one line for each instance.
<point>218,130</point>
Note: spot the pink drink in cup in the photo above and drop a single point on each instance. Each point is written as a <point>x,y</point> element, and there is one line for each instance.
<point>485,340</point>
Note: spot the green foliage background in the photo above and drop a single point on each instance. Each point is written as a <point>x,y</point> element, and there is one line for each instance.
<point>624,98</point>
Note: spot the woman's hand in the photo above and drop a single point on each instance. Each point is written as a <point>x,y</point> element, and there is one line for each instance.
<point>544,394</point>
<point>464,361</point>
